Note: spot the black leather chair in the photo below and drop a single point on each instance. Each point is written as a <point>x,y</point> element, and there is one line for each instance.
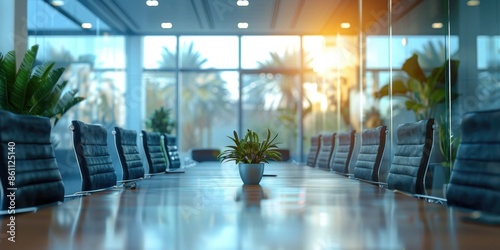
<point>343,154</point>
<point>92,154</point>
<point>151,142</point>
<point>130,158</point>
<point>26,153</point>
<point>313,150</point>
<point>413,150</point>
<point>204,154</point>
<point>326,151</point>
<point>370,154</point>
<point>475,179</point>
<point>172,154</point>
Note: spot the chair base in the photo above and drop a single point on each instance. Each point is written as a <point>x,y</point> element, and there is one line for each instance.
<point>132,183</point>
<point>432,199</point>
<point>174,171</point>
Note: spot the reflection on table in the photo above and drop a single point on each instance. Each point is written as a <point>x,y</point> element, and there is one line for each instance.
<point>209,208</point>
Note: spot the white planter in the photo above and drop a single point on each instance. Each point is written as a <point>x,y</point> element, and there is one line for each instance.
<point>251,174</point>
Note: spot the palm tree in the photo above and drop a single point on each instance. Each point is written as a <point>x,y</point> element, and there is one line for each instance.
<point>204,96</point>
<point>278,95</point>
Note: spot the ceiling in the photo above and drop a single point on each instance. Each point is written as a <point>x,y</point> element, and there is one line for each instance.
<point>220,17</point>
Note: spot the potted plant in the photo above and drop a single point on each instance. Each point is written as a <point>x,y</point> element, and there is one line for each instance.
<point>160,121</point>
<point>251,154</point>
<point>34,91</point>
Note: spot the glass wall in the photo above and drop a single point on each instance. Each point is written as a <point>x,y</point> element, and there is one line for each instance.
<point>297,85</point>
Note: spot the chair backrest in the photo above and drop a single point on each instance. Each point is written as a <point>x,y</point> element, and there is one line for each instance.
<point>475,178</point>
<point>172,152</point>
<point>343,153</point>
<point>204,154</point>
<point>313,150</point>
<point>326,151</point>
<point>411,158</point>
<point>27,155</point>
<point>151,142</point>
<point>130,158</point>
<point>90,142</point>
<point>370,153</point>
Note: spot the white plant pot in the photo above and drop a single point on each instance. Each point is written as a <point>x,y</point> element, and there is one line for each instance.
<point>251,174</point>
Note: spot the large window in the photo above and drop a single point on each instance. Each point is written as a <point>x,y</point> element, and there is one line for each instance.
<point>209,109</point>
<point>204,52</point>
<point>272,101</point>
<point>96,67</point>
<point>277,52</point>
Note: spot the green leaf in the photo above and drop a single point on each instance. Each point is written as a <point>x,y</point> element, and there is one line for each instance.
<point>438,96</point>
<point>413,69</point>
<point>3,94</point>
<point>18,92</point>
<point>399,87</point>
<point>414,85</point>
<point>38,79</point>
<point>8,71</point>
<point>66,105</point>
<point>47,93</point>
<point>384,91</point>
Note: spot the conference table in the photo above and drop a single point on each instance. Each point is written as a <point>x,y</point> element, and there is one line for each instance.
<point>208,207</point>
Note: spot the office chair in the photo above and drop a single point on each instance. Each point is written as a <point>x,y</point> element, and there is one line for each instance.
<point>343,154</point>
<point>314,150</point>
<point>93,158</point>
<point>172,154</point>
<point>413,150</point>
<point>326,151</point>
<point>370,154</point>
<point>151,142</point>
<point>204,154</point>
<point>475,179</point>
<point>26,154</point>
<point>128,153</point>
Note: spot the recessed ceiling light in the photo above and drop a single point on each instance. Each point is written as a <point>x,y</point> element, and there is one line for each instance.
<point>437,25</point>
<point>473,3</point>
<point>86,25</point>
<point>166,25</point>
<point>345,25</point>
<point>242,3</point>
<point>57,3</point>
<point>152,3</point>
<point>404,41</point>
<point>242,25</point>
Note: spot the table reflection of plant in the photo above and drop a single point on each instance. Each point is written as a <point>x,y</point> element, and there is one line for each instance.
<point>251,195</point>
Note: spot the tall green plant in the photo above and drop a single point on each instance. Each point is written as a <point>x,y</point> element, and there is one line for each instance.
<point>423,93</point>
<point>34,90</point>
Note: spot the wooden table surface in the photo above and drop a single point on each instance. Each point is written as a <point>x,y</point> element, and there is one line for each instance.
<point>208,208</point>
